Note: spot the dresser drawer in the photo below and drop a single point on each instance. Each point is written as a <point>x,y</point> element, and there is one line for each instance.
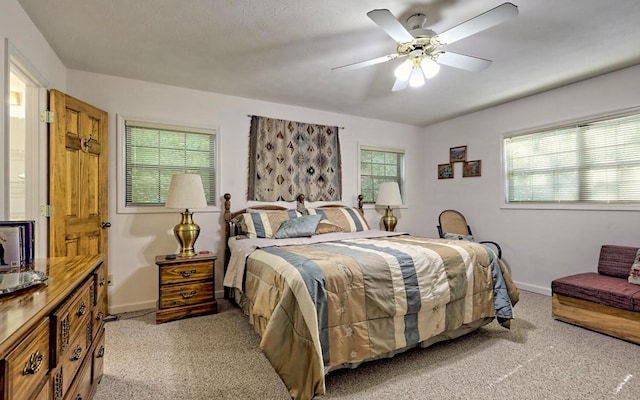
<point>28,364</point>
<point>70,318</point>
<point>72,358</point>
<point>45,392</point>
<point>81,388</point>
<point>179,273</point>
<point>187,294</point>
<point>99,306</point>
<point>98,359</point>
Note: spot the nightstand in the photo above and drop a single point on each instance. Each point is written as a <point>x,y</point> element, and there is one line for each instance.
<point>186,287</point>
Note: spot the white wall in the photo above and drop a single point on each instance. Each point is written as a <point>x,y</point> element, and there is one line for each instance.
<point>538,245</point>
<point>135,239</point>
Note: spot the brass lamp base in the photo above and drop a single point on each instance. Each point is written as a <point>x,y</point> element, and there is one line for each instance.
<point>389,220</point>
<point>186,232</point>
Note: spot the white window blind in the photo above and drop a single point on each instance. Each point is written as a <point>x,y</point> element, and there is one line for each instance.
<point>155,152</point>
<point>378,166</point>
<point>590,162</point>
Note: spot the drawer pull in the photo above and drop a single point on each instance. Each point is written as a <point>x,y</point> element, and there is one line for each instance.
<point>188,274</point>
<point>81,310</point>
<point>99,316</point>
<point>101,352</point>
<point>101,281</point>
<point>33,365</point>
<point>77,353</point>
<point>188,295</point>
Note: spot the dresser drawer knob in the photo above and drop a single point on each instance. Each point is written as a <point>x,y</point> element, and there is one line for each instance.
<point>188,274</point>
<point>99,316</point>
<point>101,352</point>
<point>33,365</point>
<point>81,310</point>
<point>77,353</point>
<point>188,295</point>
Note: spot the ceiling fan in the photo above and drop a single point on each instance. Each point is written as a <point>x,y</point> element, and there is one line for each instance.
<point>423,47</point>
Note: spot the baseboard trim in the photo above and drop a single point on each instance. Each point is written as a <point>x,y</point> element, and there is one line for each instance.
<point>123,308</point>
<point>533,288</point>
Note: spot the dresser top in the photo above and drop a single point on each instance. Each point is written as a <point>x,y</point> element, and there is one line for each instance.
<point>21,310</point>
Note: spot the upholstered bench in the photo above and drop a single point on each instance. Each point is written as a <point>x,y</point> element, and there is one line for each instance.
<point>604,301</point>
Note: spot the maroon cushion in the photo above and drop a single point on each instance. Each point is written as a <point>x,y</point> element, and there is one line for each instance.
<point>601,289</point>
<point>616,260</point>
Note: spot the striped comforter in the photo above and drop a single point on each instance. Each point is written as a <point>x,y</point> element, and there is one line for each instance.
<point>332,304</point>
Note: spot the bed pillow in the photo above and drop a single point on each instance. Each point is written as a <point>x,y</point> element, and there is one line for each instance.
<point>348,219</point>
<point>304,226</point>
<point>455,236</point>
<point>326,226</point>
<point>263,224</point>
<point>634,274</point>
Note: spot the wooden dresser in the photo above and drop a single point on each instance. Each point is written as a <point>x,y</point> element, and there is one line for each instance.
<point>52,335</point>
<point>186,287</point>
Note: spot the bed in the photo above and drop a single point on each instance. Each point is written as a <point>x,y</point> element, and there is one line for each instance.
<point>324,291</point>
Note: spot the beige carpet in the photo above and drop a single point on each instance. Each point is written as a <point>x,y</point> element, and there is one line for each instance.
<point>218,357</point>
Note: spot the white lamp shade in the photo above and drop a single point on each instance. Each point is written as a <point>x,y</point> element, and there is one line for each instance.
<point>186,191</point>
<point>404,70</point>
<point>389,195</point>
<point>429,67</point>
<point>416,79</point>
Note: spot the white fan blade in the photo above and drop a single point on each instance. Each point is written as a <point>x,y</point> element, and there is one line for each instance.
<point>400,84</point>
<point>366,63</point>
<point>479,23</point>
<point>461,61</point>
<point>390,25</point>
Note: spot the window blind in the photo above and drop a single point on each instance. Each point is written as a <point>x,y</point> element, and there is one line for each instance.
<point>378,166</point>
<point>590,162</point>
<point>155,152</point>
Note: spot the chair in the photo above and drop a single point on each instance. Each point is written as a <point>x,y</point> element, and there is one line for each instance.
<point>453,225</point>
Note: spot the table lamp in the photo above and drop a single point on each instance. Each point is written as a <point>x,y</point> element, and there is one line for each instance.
<point>389,196</point>
<point>186,191</point>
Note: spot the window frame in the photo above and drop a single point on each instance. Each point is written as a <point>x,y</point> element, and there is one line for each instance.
<point>578,205</point>
<point>402,174</point>
<point>122,207</point>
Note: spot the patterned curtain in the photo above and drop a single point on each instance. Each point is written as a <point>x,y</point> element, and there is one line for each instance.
<point>288,158</point>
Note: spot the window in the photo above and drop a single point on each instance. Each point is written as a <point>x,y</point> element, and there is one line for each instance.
<point>378,166</point>
<point>155,152</point>
<point>595,162</point>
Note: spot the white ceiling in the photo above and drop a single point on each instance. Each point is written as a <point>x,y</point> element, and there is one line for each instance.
<point>283,50</point>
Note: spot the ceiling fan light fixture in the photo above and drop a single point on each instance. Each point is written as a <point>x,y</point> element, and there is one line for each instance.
<point>416,79</point>
<point>429,67</point>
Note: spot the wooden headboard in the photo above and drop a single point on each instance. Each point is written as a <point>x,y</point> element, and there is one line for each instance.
<point>230,227</point>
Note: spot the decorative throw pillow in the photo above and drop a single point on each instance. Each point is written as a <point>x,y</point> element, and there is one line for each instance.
<point>347,218</point>
<point>634,274</point>
<point>455,236</point>
<point>304,226</point>
<point>326,226</point>
<point>263,224</point>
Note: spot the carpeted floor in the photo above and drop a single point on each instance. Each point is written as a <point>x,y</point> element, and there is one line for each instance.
<point>218,357</point>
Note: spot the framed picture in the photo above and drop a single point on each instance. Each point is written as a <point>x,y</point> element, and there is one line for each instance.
<point>445,171</point>
<point>457,154</point>
<point>471,168</point>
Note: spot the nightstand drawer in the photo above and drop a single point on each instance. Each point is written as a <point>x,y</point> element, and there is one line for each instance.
<point>182,295</point>
<point>180,273</point>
